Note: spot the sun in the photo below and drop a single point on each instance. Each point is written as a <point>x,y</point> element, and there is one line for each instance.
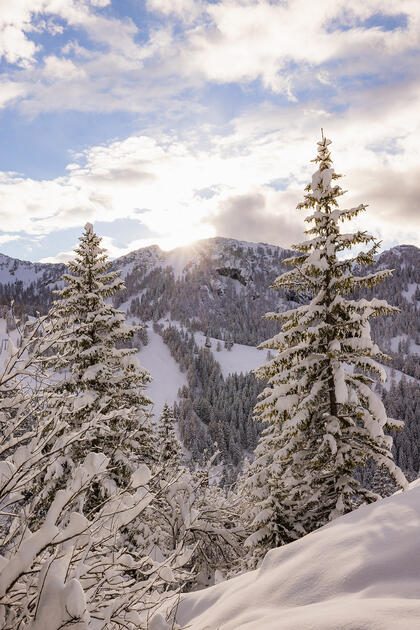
<point>184,237</point>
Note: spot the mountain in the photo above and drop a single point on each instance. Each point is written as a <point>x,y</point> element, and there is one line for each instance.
<point>25,273</point>
<point>359,572</point>
<point>202,309</point>
<point>28,284</point>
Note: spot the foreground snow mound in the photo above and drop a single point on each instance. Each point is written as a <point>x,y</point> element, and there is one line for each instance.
<point>361,572</point>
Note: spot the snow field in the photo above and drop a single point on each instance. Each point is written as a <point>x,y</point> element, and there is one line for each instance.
<point>240,358</point>
<point>409,294</point>
<point>361,572</point>
<point>167,377</point>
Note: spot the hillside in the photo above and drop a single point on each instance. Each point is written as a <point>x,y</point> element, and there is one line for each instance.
<point>358,573</point>
<point>220,288</point>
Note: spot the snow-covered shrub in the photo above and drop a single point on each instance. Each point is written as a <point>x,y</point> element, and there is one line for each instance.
<point>72,571</point>
<point>194,518</point>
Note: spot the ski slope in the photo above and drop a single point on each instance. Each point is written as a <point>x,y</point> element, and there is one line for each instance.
<point>361,572</point>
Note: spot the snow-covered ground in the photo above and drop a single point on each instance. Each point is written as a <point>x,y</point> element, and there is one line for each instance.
<point>409,294</point>
<point>167,377</point>
<point>361,572</point>
<point>239,359</point>
<point>8,341</point>
<point>414,348</point>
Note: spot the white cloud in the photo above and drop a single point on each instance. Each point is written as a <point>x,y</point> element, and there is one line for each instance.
<point>246,40</point>
<point>107,75</point>
<point>15,46</point>
<point>21,17</point>
<point>289,46</point>
<point>100,3</point>
<point>16,24</point>
<point>10,91</point>
<point>7,238</point>
<point>265,157</point>
<point>187,10</point>
<point>64,69</point>
<point>292,45</point>
<point>259,217</point>
<point>61,257</point>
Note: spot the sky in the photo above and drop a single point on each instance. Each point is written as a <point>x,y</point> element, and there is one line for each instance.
<point>167,121</point>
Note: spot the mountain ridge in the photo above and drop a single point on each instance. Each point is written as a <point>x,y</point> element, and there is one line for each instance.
<point>155,252</point>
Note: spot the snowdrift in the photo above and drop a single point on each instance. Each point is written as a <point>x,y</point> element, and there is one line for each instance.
<point>361,572</point>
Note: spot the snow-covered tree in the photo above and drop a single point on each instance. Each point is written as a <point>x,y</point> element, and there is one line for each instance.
<point>323,418</point>
<point>198,522</point>
<point>95,375</point>
<point>267,508</point>
<point>168,446</point>
<point>69,569</point>
<point>193,519</point>
<point>382,483</point>
<point>21,399</point>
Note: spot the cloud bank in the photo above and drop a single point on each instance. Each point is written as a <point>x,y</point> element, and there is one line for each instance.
<point>228,99</point>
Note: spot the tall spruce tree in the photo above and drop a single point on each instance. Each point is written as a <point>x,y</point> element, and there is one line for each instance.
<point>323,418</point>
<point>95,375</point>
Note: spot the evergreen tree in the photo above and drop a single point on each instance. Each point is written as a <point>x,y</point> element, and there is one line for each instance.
<point>168,446</point>
<point>95,375</point>
<point>324,419</point>
<point>382,483</point>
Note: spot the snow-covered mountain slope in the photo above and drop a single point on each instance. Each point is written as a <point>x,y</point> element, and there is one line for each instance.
<point>220,288</point>
<point>165,372</point>
<point>238,358</point>
<point>361,572</point>
<point>181,259</point>
<point>26,273</point>
<point>243,358</point>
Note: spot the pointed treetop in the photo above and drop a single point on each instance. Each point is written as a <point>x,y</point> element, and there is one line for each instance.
<point>323,144</point>
<point>89,227</point>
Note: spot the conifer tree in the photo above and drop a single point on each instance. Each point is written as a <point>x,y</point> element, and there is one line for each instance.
<point>168,446</point>
<point>382,483</point>
<point>94,375</point>
<point>323,418</point>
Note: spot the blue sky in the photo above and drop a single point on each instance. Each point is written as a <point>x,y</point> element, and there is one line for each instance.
<point>166,121</point>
